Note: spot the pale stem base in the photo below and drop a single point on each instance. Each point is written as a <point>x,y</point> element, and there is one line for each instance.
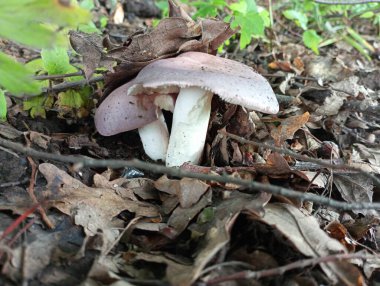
<point>190,122</point>
<point>155,138</point>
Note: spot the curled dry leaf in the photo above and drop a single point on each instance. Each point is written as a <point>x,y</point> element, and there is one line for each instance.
<point>171,36</point>
<point>187,190</point>
<point>93,208</point>
<point>181,217</point>
<point>90,47</point>
<point>217,236</point>
<point>288,127</point>
<point>338,231</point>
<point>306,235</point>
<point>355,188</point>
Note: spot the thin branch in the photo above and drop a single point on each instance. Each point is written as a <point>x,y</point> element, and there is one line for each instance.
<point>72,84</point>
<point>248,274</point>
<point>57,76</point>
<point>82,161</point>
<point>338,166</point>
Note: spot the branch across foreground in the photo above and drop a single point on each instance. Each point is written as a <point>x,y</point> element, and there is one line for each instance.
<point>82,161</point>
<point>338,166</point>
<point>250,274</point>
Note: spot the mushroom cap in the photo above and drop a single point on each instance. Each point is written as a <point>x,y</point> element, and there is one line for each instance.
<point>121,112</point>
<point>234,82</point>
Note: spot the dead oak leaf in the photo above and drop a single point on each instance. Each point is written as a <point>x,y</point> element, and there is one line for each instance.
<point>187,190</point>
<point>93,208</point>
<point>306,235</point>
<point>288,127</point>
<point>173,35</point>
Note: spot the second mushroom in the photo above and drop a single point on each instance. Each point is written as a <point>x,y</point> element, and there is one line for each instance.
<point>196,77</point>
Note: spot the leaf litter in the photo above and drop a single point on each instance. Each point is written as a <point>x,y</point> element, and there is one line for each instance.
<point>114,230</point>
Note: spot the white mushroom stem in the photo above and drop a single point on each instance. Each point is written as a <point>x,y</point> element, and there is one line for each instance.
<point>155,137</point>
<point>189,128</point>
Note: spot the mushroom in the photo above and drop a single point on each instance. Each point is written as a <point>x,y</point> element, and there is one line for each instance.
<point>196,77</point>
<point>121,112</point>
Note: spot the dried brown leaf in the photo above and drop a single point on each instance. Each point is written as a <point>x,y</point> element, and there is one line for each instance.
<point>355,188</point>
<point>93,208</point>
<point>171,36</point>
<point>217,237</point>
<point>181,217</point>
<point>288,127</point>
<point>305,234</point>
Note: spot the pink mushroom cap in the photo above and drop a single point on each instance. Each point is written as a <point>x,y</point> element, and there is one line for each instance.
<point>121,112</point>
<point>233,81</point>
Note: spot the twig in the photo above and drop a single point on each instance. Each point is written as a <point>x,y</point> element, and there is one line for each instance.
<point>63,86</point>
<point>127,228</point>
<point>376,181</point>
<point>30,189</point>
<point>13,184</point>
<point>282,269</point>
<point>18,221</point>
<point>72,84</point>
<point>82,161</point>
<point>357,105</point>
<point>57,76</point>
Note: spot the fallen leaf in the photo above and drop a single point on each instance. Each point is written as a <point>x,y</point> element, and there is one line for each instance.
<point>93,208</point>
<point>187,190</point>
<point>306,235</point>
<point>338,231</point>
<point>181,216</point>
<point>217,236</point>
<point>288,127</point>
<point>355,188</point>
<point>171,36</point>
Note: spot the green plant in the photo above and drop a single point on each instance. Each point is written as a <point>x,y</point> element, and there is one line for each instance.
<point>325,24</point>
<point>38,24</point>
<point>245,15</point>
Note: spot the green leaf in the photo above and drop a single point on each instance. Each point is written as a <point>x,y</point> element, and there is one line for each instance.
<point>243,6</point>
<point>206,215</point>
<point>89,28</point>
<point>103,21</point>
<point>240,7</point>
<point>264,15</point>
<point>311,40</point>
<point>37,105</point>
<point>251,6</point>
<point>56,61</point>
<point>3,106</point>
<point>35,65</point>
<point>20,20</point>
<point>72,99</point>
<point>298,17</point>
<point>87,4</point>
<point>16,78</point>
<point>367,15</point>
<point>250,25</point>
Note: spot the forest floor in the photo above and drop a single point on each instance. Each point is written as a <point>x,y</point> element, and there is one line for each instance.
<point>317,223</point>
